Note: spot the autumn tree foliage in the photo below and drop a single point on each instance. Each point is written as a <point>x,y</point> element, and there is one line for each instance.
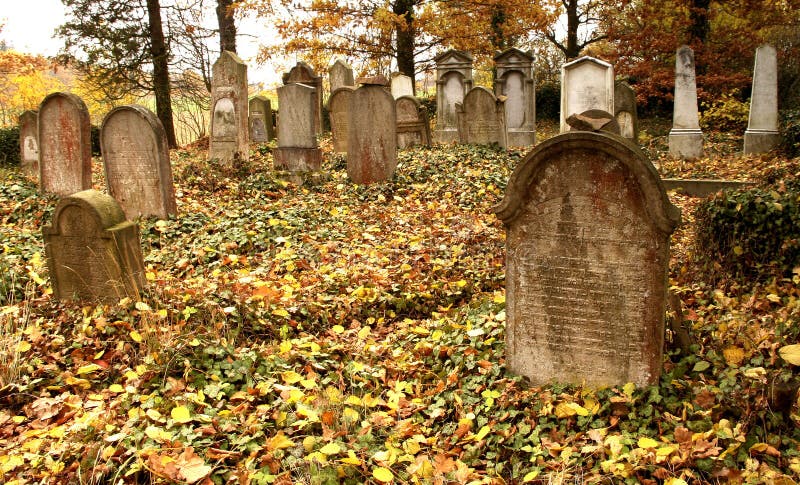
<point>24,81</point>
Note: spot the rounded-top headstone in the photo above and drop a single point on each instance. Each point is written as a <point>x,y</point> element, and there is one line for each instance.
<point>65,145</point>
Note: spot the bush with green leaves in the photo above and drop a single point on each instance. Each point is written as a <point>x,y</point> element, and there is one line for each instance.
<point>727,113</point>
<point>9,145</point>
<point>548,101</point>
<point>791,132</point>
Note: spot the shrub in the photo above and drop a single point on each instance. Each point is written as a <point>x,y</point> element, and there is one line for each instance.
<point>791,132</point>
<point>95,141</point>
<point>9,146</point>
<point>728,114</point>
<point>548,101</point>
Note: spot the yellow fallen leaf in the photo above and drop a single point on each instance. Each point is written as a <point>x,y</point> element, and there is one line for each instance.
<point>530,476</point>
<point>338,329</point>
<point>88,369</point>
<point>564,410</point>
<point>291,377</point>
<point>351,459</point>
<point>136,336</point>
<point>181,414</point>
<point>790,353</point>
<point>279,442</point>
<point>733,355</point>
<point>23,346</point>
<point>645,442</point>
<point>382,474</point>
<point>330,449</point>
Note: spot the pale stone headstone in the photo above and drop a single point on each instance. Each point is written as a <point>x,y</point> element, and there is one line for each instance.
<point>260,112</point>
<point>516,81</point>
<point>372,133</point>
<point>230,137</point>
<point>339,112</point>
<point>29,143</point>
<point>136,160</point>
<point>401,85</point>
<point>93,253</point>
<point>587,250</point>
<point>413,125</point>
<point>586,83</point>
<point>302,73</point>
<point>625,110</point>
<point>762,133</point>
<point>297,141</point>
<point>340,74</point>
<point>685,137</point>
<point>453,81</point>
<point>482,118</point>
<point>65,144</point>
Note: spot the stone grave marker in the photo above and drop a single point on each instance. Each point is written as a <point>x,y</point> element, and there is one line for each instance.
<point>93,253</point>
<point>29,143</point>
<point>65,145</point>
<point>762,133</point>
<point>625,110</point>
<point>685,137</point>
<point>136,160</point>
<point>453,81</point>
<point>260,112</point>
<point>587,249</point>
<point>302,73</point>
<point>401,85</point>
<point>372,133</point>
<point>340,74</point>
<point>586,83</point>
<point>516,81</point>
<point>413,127</point>
<point>297,141</point>
<point>229,131</point>
<point>339,111</point>
<point>482,118</point>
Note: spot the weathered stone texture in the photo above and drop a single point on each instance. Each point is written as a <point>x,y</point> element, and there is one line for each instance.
<point>65,146</point>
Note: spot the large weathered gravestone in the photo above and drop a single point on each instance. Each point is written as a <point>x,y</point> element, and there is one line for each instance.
<point>413,127</point>
<point>762,133</point>
<point>587,248</point>
<point>302,73</point>
<point>482,118</point>
<point>65,145</point>
<point>586,83</point>
<point>93,253</point>
<point>453,81</point>
<point>372,133</point>
<point>260,112</point>
<point>340,74</point>
<point>229,131</point>
<point>29,143</point>
<point>297,141</point>
<point>401,85</point>
<point>136,160</point>
<point>515,81</point>
<point>625,110</point>
<point>685,137</point>
<point>339,112</point>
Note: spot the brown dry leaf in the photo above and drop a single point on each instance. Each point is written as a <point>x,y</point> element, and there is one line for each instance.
<point>682,435</point>
<point>45,408</point>
<point>733,355</point>
<point>191,467</point>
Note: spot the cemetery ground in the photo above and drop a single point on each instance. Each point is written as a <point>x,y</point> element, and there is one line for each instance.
<point>341,333</point>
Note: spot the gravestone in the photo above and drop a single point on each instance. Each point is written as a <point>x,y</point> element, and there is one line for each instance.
<point>65,145</point>
<point>229,131</point>
<point>372,133</point>
<point>586,83</point>
<point>401,85</point>
<point>340,74</point>
<point>453,81</point>
<point>413,127</point>
<point>260,113</point>
<point>516,81</point>
<point>29,143</point>
<point>587,249</point>
<point>136,160</point>
<point>685,137</point>
<point>302,73</point>
<point>482,118</point>
<point>339,112</point>
<point>93,253</point>
<point>625,110</point>
<point>762,133</point>
<point>297,141</point>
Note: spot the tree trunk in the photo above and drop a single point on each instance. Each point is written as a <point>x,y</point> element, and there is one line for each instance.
<point>227,26</point>
<point>161,84</point>
<point>405,38</point>
<point>499,41</point>
<point>572,50</point>
<point>698,31</point>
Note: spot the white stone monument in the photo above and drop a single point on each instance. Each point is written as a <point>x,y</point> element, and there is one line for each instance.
<point>762,133</point>
<point>586,83</point>
<point>685,137</point>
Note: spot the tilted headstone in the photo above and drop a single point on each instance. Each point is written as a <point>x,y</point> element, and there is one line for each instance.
<point>340,74</point>
<point>260,112</point>
<point>516,81</point>
<point>625,110</point>
<point>136,160</point>
<point>413,126</point>
<point>586,83</point>
<point>297,141</point>
<point>587,250</point>
<point>302,73</point>
<point>401,85</point>
<point>372,133</point>
<point>762,133</point>
<point>685,137</point>
<point>93,253</point>
<point>339,112</point>
<point>29,143</point>
<point>229,125</point>
<point>65,144</point>
<point>453,81</point>
<point>594,120</point>
<point>482,118</point>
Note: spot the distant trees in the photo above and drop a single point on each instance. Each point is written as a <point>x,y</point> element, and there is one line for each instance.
<point>24,82</point>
